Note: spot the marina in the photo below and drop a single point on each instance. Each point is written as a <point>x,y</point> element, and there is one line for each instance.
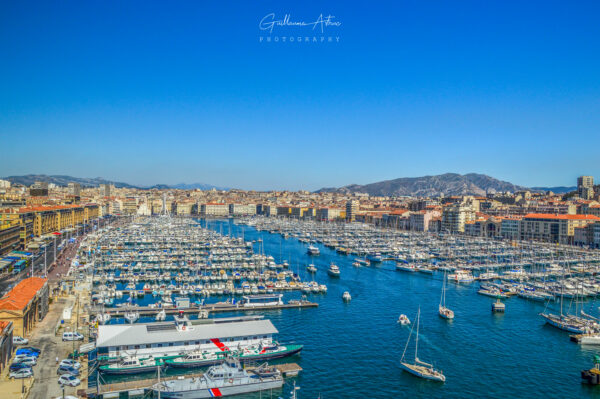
<point>249,257</point>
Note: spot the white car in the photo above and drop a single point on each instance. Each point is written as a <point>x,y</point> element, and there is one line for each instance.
<point>28,360</point>
<point>71,363</point>
<point>23,373</point>
<point>70,380</point>
<point>20,340</point>
<point>72,336</point>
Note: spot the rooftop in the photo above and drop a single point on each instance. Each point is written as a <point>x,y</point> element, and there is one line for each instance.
<point>19,297</point>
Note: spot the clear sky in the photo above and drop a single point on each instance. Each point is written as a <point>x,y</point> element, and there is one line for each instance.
<point>153,92</point>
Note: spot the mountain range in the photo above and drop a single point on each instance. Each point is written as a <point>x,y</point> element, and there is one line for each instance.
<point>63,181</point>
<point>430,186</point>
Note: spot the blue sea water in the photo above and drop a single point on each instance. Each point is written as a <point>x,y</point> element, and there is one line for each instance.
<point>352,350</point>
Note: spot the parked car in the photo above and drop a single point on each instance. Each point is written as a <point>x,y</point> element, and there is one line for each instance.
<point>69,380</point>
<point>32,349</point>
<point>29,360</point>
<point>17,340</point>
<point>18,366</point>
<point>70,363</point>
<point>72,336</point>
<point>27,352</point>
<point>67,370</point>
<point>23,373</point>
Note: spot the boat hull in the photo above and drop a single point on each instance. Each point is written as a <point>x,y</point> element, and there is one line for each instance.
<point>421,372</point>
<point>127,371</point>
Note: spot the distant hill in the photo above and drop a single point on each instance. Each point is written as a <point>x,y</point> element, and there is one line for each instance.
<point>431,186</point>
<point>63,181</point>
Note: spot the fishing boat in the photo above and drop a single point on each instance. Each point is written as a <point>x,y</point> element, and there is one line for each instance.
<point>312,250</point>
<point>131,365</point>
<point>417,367</point>
<point>334,270</point>
<point>403,320</point>
<point>444,312</point>
<point>226,379</point>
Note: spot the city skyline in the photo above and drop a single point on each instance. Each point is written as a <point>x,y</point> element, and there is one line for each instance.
<point>161,95</point>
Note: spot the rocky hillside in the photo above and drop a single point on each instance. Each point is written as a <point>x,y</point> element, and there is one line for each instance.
<point>431,186</point>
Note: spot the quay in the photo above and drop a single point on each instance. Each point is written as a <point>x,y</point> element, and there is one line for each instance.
<point>211,308</point>
<point>137,387</point>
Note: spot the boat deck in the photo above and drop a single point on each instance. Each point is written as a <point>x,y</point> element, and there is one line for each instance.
<point>286,369</point>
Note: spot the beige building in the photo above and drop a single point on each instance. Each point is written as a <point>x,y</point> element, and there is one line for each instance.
<point>553,228</point>
<point>455,216</point>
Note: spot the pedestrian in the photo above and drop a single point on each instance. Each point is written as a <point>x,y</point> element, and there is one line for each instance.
<point>56,359</point>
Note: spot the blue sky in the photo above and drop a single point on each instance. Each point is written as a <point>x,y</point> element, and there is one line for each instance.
<point>165,92</point>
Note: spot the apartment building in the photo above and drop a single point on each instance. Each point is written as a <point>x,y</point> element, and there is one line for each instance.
<point>553,228</point>
<point>214,209</point>
<point>455,216</point>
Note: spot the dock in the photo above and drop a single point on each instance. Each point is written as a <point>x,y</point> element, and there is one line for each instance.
<point>211,308</point>
<point>286,370</point>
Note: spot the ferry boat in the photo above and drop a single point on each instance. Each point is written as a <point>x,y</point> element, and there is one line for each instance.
<point>171,339</point>
<point>226,379</point>
<point>312,250</point>
<point>334,270</point>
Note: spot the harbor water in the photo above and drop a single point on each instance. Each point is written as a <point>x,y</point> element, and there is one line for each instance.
<point>352,350</point>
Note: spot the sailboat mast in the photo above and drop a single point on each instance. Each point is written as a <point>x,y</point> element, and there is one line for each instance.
<point>417,339</point>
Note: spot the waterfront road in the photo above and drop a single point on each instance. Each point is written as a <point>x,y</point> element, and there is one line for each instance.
<point>46,380</point>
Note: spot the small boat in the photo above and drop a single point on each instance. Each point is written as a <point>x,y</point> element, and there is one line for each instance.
<point>406,267</point>
<point>311,268</point>
<point>161,316</point>
<point>103,318</point>
<point>312,250</point>
<point>334,270</point>
<point>444,312</point>
<point>197,359</point>
<point>417,367</point>
<point>226,379</point>
<point>403,320</point>
<point>132,317</point>
<point>131,365</point>
<point>346,296</point>
<point>492,292</point>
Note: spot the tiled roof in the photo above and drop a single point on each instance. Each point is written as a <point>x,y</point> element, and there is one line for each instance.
<point>561,217</point>
<point>22,293</point>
